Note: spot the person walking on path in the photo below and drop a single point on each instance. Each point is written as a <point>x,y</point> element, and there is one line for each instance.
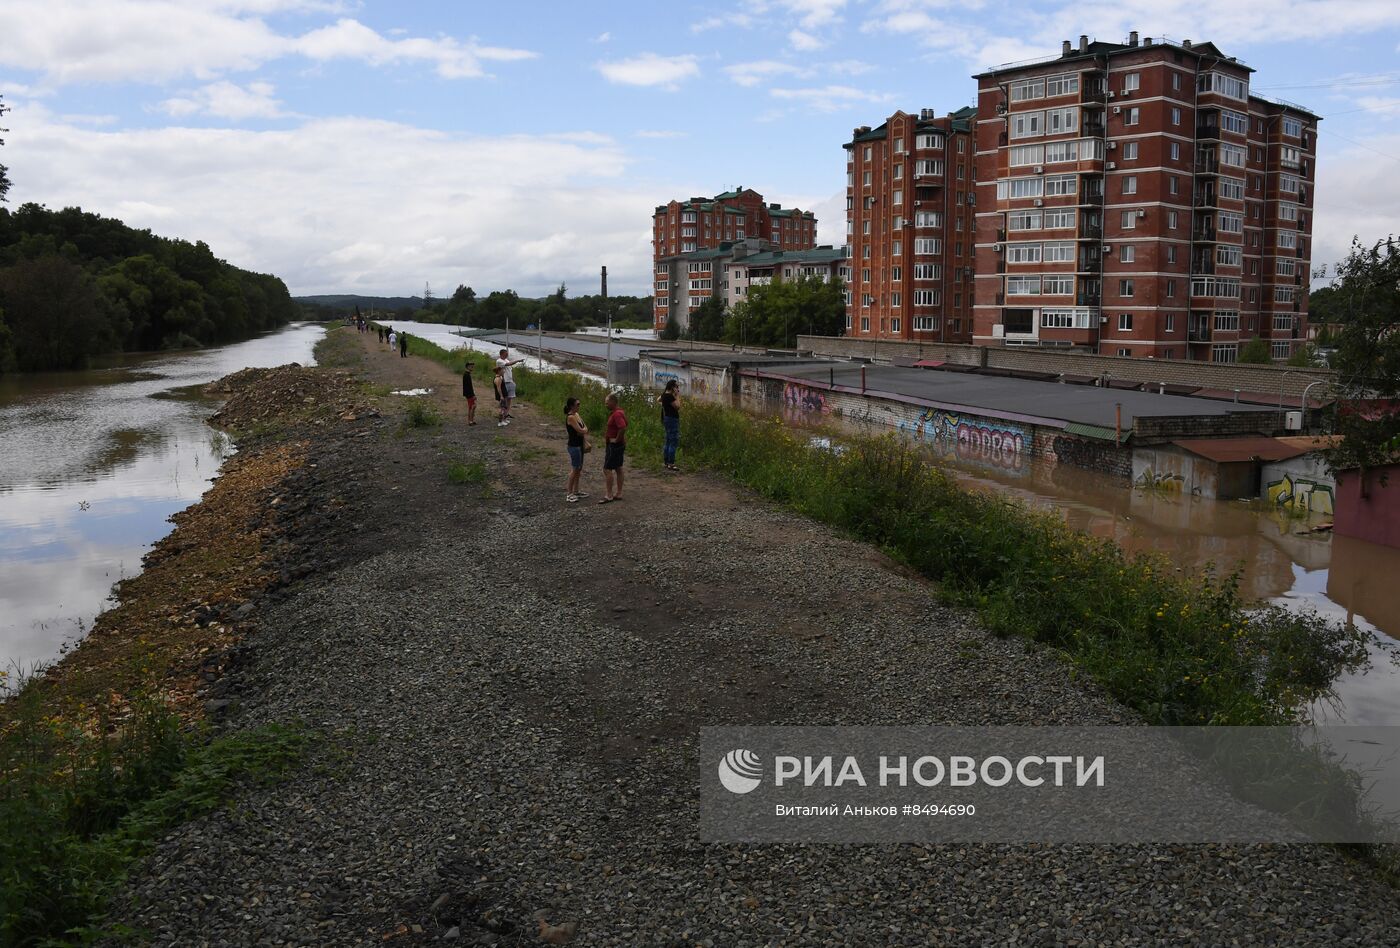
<point>499,382</point>
<point>469,393</point>
<point>671,421</point>
<point>504,363</point>
<point>403,345</point>
<point>578,446</point>
<point>393,340</point>
<point>616,437</point>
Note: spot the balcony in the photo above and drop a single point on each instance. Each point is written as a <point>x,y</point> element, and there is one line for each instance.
<point>1204,234</point>
<point>1087,298</point>
<point>1198,332</point>
<point>1207,131</point>
<point>1207,199</point>
<point>1092,129</point>
<point>1207,166</point>
<point>1203,265</point>
<point>1090,231</point>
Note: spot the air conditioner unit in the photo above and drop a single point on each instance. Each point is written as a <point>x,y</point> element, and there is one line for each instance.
<point>1108,249</point>
<point>1141,214</point>
<point>998,331</point>
<point>1112,146</point>
<point>1111,165</point>
<point>996,247</point>
<point>1039,203</point>
<point>1102,320</point>
<point>1117,109</point>
<point>1110,93</point>
<point>1127,93</point>
<point>1038,169</point>
<point>1293,420</point>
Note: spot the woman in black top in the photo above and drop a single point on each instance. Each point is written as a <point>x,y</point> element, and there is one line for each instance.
<point>469,393</point>
<point>671,421</point>
<point>577,433</point>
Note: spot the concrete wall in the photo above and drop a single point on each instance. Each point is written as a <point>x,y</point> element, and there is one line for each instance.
<point>1374,517</point>
<point>1171,470</point>
<point>1265,379</point>
<point>1302,483</point>
<point>710,383</point>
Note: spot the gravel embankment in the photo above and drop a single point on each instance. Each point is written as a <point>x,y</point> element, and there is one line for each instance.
<point>512,687</point>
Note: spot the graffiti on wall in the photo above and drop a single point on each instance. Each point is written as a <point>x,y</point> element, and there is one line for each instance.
<point>1165,481</point>
<point>1300,494</point>
<point>1091,455</point>
<point>971,438</point>
<point>804,399</point>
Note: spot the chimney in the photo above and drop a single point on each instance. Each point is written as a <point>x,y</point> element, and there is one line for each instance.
<point>1083,42</point>
<point>1067,48</point>
<point>1185,44</point>
<point>1147,41</point>
<point>1132,38</point>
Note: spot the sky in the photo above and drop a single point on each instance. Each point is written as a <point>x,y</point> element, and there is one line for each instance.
<point>381,148</point>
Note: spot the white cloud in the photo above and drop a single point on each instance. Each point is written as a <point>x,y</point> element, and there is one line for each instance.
<point>602,37</point>
<point>830,98</point>
<point>814,13</point>
<point>1358,190</point>
<point>1241,21</point>
<point>805,42</point>
<point>356,204</point>
<point>649,69</point>
<point>660,133</point>
<point>227,100</point>
<point>70,41</point>
<point>753,73</point>
<point>741,20</point>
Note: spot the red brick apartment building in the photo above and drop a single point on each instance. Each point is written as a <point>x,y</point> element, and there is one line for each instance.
<point>699,223</point>
<point>909,225</point>
<point>1135,199</point>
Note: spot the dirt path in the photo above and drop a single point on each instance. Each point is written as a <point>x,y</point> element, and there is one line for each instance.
<point>512,686</point>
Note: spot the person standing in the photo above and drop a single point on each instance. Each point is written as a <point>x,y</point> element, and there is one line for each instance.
<point>403,345</point>
<point>577,446</point>
<point>499,383</point>
<point>393,339</point>
<point>615,436</point>
<point>671,421</point>
<point>504,363</point>
<point>469,392</point>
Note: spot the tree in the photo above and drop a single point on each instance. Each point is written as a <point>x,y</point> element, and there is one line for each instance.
<point>56,314</point>
<point>707,322</point>
<point>672,329</point>
<point>1368,357</point>
<point>775,314</point>
<point>4,172</point>
<point>1255,351</point>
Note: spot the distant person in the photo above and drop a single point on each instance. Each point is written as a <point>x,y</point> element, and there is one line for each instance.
<point>577,447</point>
<point>499,382</point>
<point>671,421</point>
<point>615,436</point>
<point>504,363</point>
<point>469,393</point>
<point>403,345</point>
<point>393,340</point>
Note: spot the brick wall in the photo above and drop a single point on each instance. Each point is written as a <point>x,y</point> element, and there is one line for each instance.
<point>1259,379</point>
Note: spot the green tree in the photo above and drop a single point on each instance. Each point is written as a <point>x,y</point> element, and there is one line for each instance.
<point>672,329</point>
<point>7,347</point>
<point>775,314</point>
<point>1255,351</point>
<point>707,322</point>
<point>1367,361</point>
<point>4,171</point>
<point>56,314</point>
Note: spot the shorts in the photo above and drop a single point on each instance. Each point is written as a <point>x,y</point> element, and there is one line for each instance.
<point>510,390</point>
<point>612,456</point>
<point>471,401</point>
<point>576,457</point>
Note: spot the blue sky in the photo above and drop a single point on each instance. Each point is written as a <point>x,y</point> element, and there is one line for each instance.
<point>375,147</point>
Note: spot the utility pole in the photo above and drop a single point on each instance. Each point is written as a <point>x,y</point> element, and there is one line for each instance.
<point>608,309</point>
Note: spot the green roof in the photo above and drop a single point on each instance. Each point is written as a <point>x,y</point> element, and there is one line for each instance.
<point>814,255</point>
<point>1096,431</point>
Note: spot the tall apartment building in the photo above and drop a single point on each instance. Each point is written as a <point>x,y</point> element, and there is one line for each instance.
<point>1135,199</point>
<point>697,224</point>
<point>910,228</point>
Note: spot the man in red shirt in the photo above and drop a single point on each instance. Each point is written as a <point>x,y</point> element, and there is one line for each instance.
<point>616,437</point>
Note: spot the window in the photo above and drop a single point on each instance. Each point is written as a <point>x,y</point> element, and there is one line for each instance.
<point>865,275</point>
<point>1059,219</point>
<point>687,231</point>
<point>1234,121</point>
<point>928,166</point>
<point>926,297</point>
<point>898,197</point>
<point>898,172</point>
<point>896,249</point>
<point>1171,253</point>
<point>1176,115</point>
<point>928,219</point>
<point>1131,116</point>
<point>1027,155</point>
<point>1027,124</point>
<point>1059,121</point>
<point>928,271</point>
<point>865,227</point>
<point>894,299</point>
<point>1132,82</point>
<point>701,284</point>
<point>1062,85</point>
<point>1283,294</point>
<point>1023,286</point>
<point>1058,251</point>
<point>694,267</point>
<point>1130,151</point>
<point>1224,353</point>
<point>865,179</point>
<point>1288,156</point>
<point>1232,155</point>
<point>1061,184</point>
<point>1283,323</point>
<point>1232,188</point>
<point>894,324</point>
<point>1225,85</point>
<point>1057,284</point>
<point>1062,151</point>
<point>1287,212</point>
<point>1230,223</point>
<point>1176,150</point>
<point>1127,254</point>
<point>1125,288</point>
<point>1293,128</point>
<point>1222,287</point>
<point>1020,188</point>
<point>1169,322</point>
<point>864,320</point>
<point>1288,184</point>
<point>867,152</point>
<point>1023,220</point>
<point>688,247</point>
<point>925,323</point>
<point>1279,350</point>
<point>1227,255</point>
<point>1227,320</point>
<point>927,245</point>
<point>1286,267</point>
<point>1130,184</point>
<point>1125,322</point>
<point>1023,253</point>
<point>928,140</point>
<point>1171,220</point>
<point>1176,82</point>
<point>1288,239</point>
<point>1027,89</point>
<point>899,146</point>
<point>1125,353</point>
<point>865,251</point>
<point>1171,288</point>
<point>1128,220</point>
<point>1065,318</point>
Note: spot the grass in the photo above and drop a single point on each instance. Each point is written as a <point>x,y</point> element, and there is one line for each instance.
<point>1181,651</point>
<point>422,414</point>
<point>79,806</point>
<point>473,473</point>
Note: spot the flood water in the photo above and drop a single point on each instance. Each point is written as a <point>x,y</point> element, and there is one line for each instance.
<point>91,466</point>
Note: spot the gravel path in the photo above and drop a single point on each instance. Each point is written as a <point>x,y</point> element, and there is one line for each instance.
<point>513,686</point>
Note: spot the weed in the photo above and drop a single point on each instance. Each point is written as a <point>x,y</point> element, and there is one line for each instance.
<point>422,414</point>
<point>459,473</point>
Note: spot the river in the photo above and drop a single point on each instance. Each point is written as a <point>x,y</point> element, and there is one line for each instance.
<point>92,465</point>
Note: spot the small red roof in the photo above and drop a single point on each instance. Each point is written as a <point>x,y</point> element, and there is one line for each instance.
<point>928,364</point>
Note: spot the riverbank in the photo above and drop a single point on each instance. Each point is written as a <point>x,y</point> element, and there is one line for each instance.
<point>511,689</point>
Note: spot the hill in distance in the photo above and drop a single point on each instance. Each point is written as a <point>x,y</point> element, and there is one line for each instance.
<point>366,303</point>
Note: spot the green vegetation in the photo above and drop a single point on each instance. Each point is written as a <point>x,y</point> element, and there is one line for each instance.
<point>1366,301</point>
<point>775,314</point>
<point>422,414</point>
<point>473,473</point>
<point>78,806</point>
<point>74,285</point>
<point>1179,649</point>
<point>1255,351</point>
<point>556,312</point>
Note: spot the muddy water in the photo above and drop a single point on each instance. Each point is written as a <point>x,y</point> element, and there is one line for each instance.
<point>91,466</point>
<point>1280,558</point>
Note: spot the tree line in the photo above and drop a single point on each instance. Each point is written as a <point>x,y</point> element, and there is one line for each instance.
<point>74,285</point>
<point>773,314</point>
<point>557,312</point>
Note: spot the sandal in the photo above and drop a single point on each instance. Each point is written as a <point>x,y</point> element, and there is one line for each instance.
<point>606,500</point>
